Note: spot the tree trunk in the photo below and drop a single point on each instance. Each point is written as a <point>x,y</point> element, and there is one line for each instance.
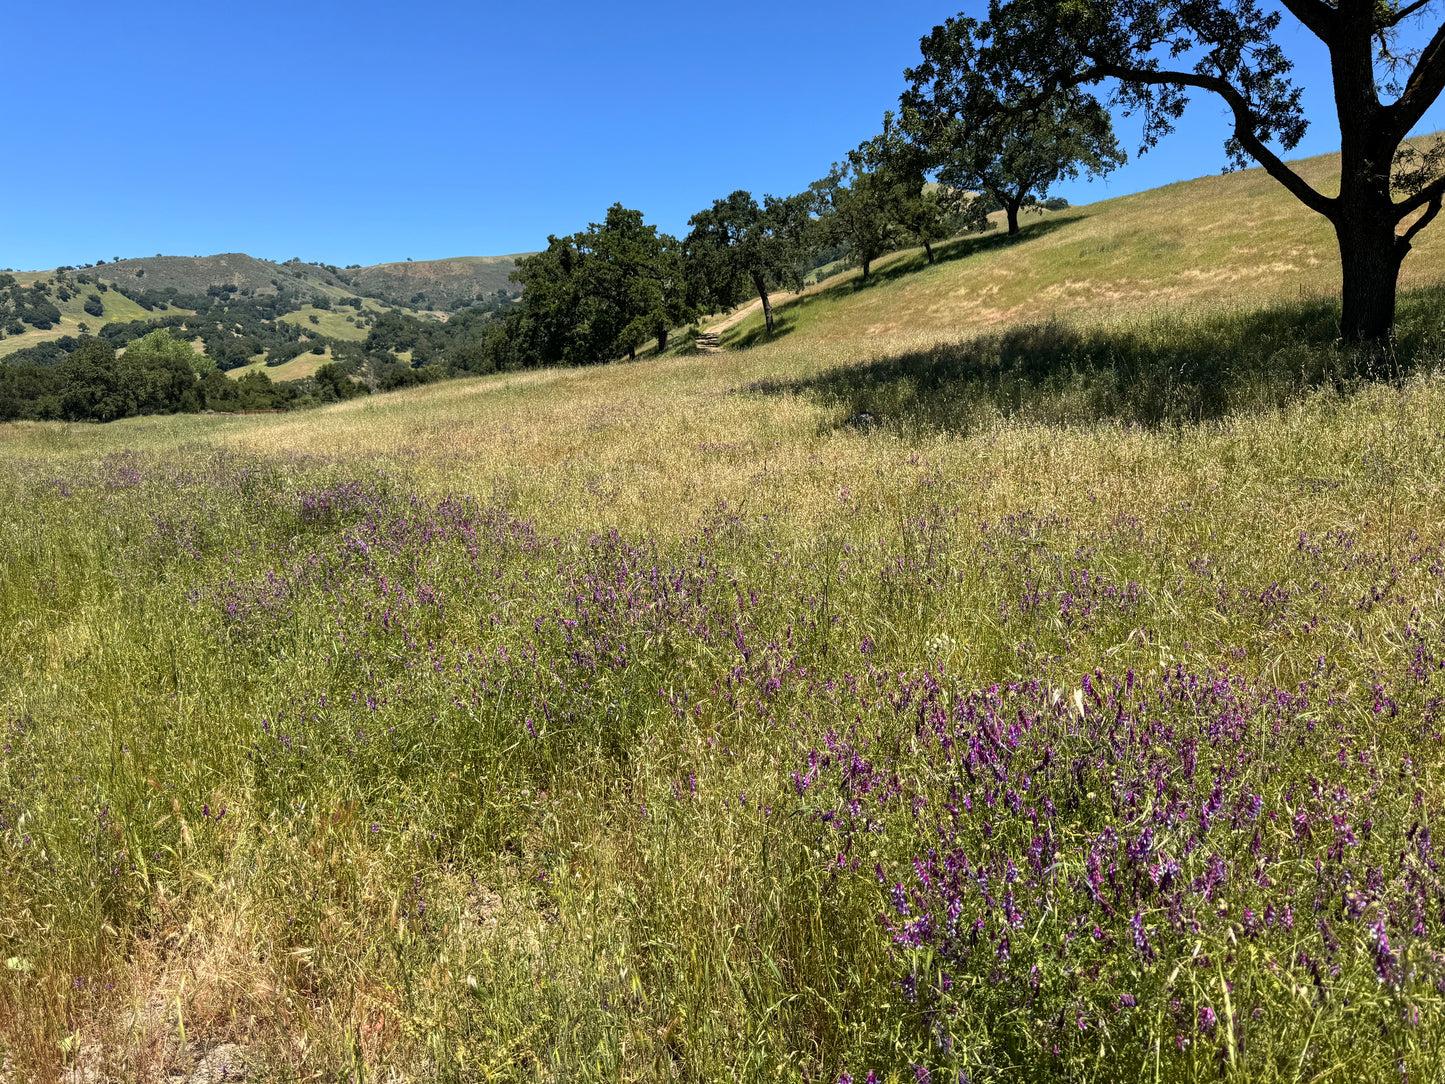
<point>762,289</point>
<point>867,263</point>
<point>1370,258</point>
<point>1364,215</point>
<point>661,337</point>
<point>928,251</point>
<point>1012,209</point>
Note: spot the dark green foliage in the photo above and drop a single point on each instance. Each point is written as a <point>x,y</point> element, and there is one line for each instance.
<point>91,385</point>
<point>28,391</point>
<point>94,306</point>
<point>975,138</point>
<point>858,207</point>
<point>151,378</point>
<point>601,293</point>
<point>334,383</point>
<point>923,213</point>
<point>44,355</point>
<point>738,249</point>
<point>20,305</point>
<point>254,391</point>
<point>156,374</point>
<point>406,377</point>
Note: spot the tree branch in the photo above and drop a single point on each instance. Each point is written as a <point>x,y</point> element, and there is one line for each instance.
<point>1405,12</point>
<point>1423,87</point>
<point>1318,17</point>
<point>1243,127</point>
<point>1431,193</point>
<point>1424,220</point>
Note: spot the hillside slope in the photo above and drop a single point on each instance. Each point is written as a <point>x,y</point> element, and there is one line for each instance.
<point>197,274</point>
<point>437,284</point>
<point>1219,240</point>
<point>74,319</point>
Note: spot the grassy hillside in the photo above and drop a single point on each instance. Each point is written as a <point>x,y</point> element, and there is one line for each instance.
<point>298,368</point>
<point>437,284</point>
<point>334,322</point>
<point>115,307</point>
<point>1216,241</point>
<point>1080,718</point>
<point>196,274</point>
<point>519,722</point>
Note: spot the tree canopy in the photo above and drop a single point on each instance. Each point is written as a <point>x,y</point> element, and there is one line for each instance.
<point>922,212</point>
<point>738,249</point>
<point>857,205</point>
<point>600,293</point>
<point>973,140</point>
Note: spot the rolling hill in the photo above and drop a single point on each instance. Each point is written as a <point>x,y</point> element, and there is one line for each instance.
<point>197,274</point>
<point>317,298</point>
<point>437,284</point>
<point>75,320</point>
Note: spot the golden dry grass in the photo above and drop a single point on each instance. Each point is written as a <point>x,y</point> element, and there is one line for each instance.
<point>1194,245</point>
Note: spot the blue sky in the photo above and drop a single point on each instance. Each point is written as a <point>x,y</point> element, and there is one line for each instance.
<point>369,131</point>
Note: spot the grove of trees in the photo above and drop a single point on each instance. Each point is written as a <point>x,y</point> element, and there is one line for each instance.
<point>155,374</point>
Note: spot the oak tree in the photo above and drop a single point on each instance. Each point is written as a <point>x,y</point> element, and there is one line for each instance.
<point>1155,53</point>
<point>739,248</point>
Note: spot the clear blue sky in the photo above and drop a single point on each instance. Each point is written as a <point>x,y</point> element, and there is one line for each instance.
<point>374,130</point>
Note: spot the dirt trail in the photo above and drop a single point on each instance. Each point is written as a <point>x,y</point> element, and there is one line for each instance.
<point>707,341</point>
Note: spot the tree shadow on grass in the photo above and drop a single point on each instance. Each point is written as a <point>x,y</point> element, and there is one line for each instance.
<point>783,326</point>
<point>790,313</point>
<point>965,246</point>
<point>1160,372</point>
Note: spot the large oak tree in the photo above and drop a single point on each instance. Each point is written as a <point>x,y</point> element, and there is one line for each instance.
<point>1155,53</point>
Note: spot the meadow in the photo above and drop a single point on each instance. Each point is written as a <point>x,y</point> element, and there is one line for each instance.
<point>1078,717</point>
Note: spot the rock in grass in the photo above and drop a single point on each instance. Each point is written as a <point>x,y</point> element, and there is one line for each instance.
<point>864,421</point>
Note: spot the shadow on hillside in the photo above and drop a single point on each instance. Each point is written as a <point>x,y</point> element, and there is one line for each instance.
<point>789,313</point>
<point>1166,372</point>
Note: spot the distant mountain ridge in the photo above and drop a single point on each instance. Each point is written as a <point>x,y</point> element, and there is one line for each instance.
<point>444,285</point>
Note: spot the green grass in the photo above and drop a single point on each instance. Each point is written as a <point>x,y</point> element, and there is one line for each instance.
<point>298,368</point>
<point>332,323</point>
<point>73,314</point>
<point>528,700</point>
